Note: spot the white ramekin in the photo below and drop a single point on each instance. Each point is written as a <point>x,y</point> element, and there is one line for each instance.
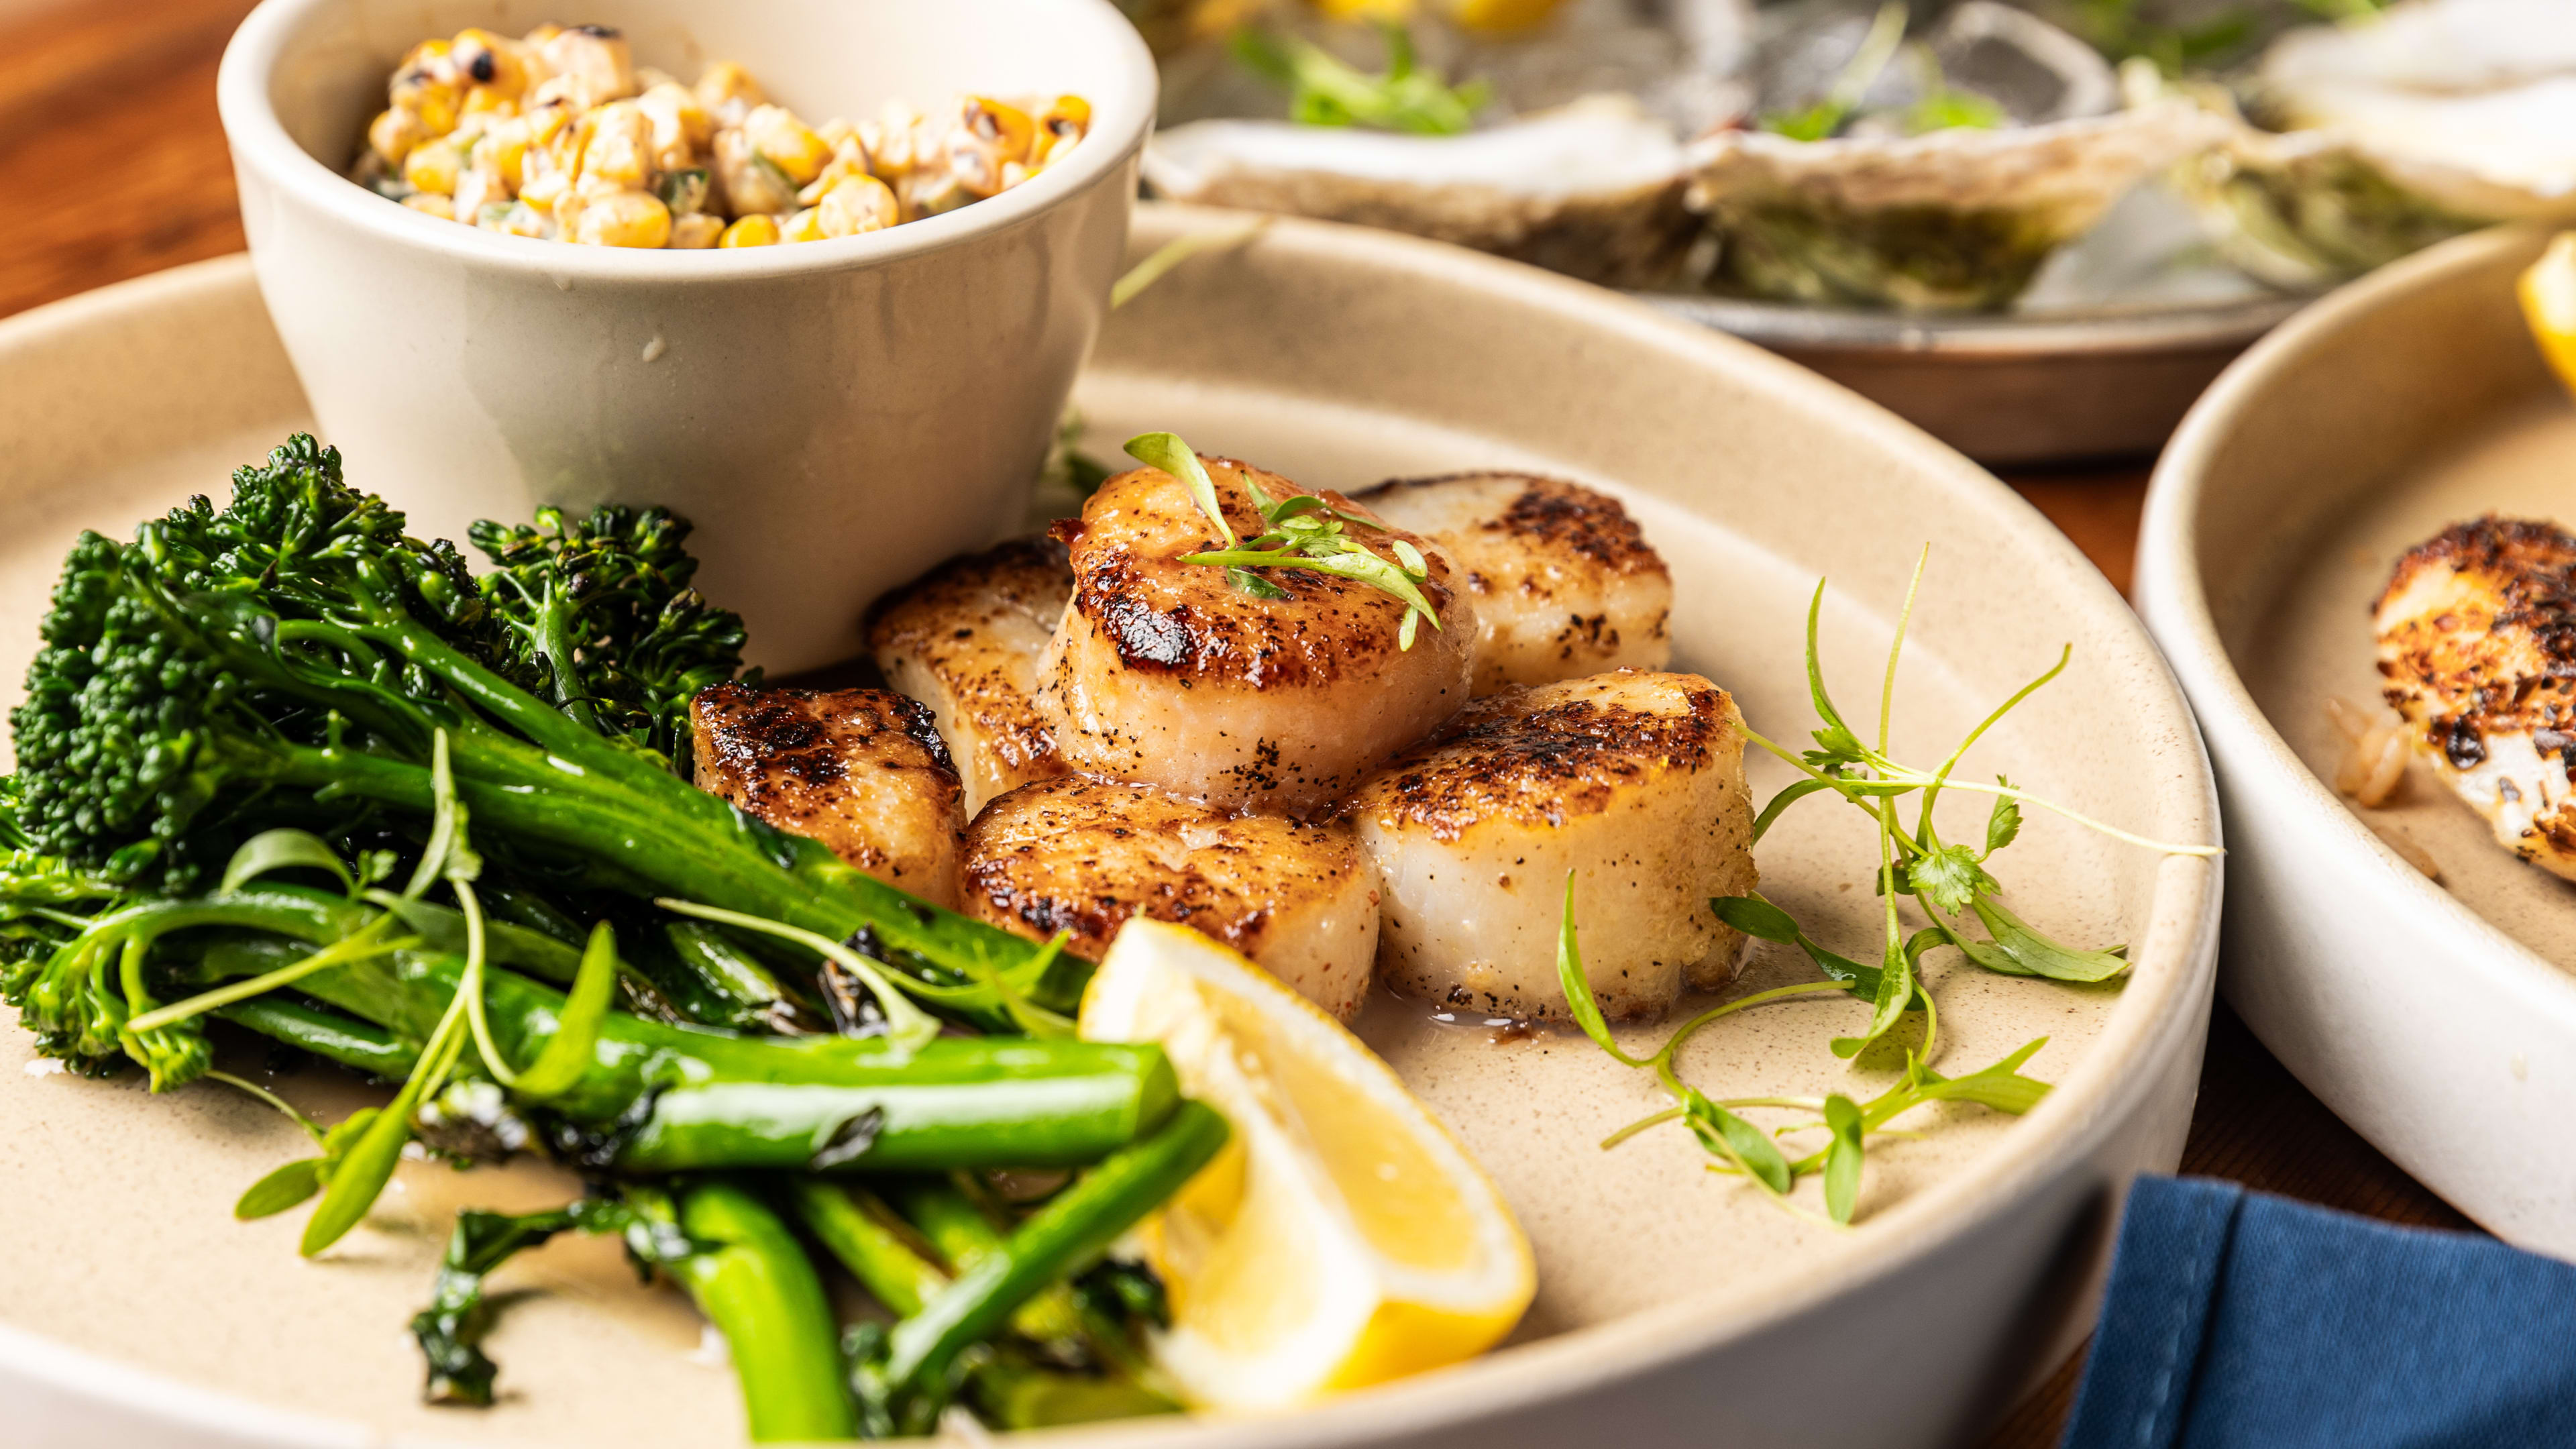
<point>834,415</point>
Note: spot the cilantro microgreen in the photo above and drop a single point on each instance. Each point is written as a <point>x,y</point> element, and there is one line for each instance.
<point>1949,882</point>
<point>1300,531</point>
<point>1323,90</point>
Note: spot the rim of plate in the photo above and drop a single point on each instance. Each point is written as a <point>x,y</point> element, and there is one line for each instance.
<point>2108,330</point>
<point>2174,600</point>
<point>2178,944</point>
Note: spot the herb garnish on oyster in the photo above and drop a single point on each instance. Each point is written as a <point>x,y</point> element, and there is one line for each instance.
<point>2356,144</point>
<point>1553,139</point>
<point>1928,175</point>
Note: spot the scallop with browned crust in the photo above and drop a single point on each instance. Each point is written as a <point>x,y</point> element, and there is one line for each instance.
<point>1081,855</point>
<point>2477,640</point>
<point>1563,580</point>
<point>1167,673</point>
<point>861,770</point>
<point>965,640</point>
<point>1633,781</point>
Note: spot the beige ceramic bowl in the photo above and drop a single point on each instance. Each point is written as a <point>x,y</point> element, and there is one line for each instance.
<point>2439,1019</point>
<point>856,408</point>
<point>1675,1307</point>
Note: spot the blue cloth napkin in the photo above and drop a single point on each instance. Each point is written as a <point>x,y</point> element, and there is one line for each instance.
<point>2237,1319</point>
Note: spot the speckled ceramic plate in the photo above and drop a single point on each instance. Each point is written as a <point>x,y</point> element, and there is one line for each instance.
<point>2437,1018</point>
<point>1675,1306</point>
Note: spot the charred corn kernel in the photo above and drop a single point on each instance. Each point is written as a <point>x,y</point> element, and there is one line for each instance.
<point>778,137</point>
<point>431,204</point>
<point>504,149</point>
<point>619,148</point>
<point>542,178</point>
<point>856,204</point>
<point>727,91</point>
<point>623,219</point>
<point>433,166</point>
<point>804,226</point>
<point>394,132</point>
<point>478,186</point>
<point>1065,121</point>
<point>695,232</point>
<point>849,158</point>
<point>520,219</point>
<point>1004,130</point>
<point>680,127</point>
<point>490,62</point>
<point>548,121</point>
<point>750,231</point>
<point>2549,303</point>
<point>934,193</point>
<point>596,55</point>
<point>896,145</point>
<point>425,87</point>
<point>750,183</point>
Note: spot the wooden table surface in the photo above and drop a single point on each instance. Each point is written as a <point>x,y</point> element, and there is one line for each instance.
<point>110,148</point>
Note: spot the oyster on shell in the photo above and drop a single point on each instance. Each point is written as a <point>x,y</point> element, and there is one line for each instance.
<point>1592,189</point>
<point>1951,219</point>
<point>2387,134</point>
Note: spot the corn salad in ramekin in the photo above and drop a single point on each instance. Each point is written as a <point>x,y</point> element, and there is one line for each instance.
<point>559,135</point>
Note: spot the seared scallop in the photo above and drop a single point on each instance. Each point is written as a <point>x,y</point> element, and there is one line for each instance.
<point>2476,631</point>
<point>1563,580</point>
<point>1633,781</point>
<point>861,770</point>
<point>964,639</point>
<point>1171,674</point>
<point>1081,856</point>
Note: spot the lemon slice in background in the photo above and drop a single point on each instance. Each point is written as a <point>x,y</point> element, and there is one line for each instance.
<point>1489,17</point>
<point>1343,1238</point>
<point>2549,302</point>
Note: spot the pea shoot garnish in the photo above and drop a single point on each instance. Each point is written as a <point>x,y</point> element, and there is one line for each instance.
<point>1300,531</point>
<point>1949,882</point>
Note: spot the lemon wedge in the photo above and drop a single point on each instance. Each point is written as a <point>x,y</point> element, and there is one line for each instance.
<point>1501,17</point>
<point>1343,1238</point>
<point>2549,302</point>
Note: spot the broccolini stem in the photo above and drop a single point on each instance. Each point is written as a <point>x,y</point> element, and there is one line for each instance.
<point>858,1231</point>
<point>326,1034</point>
<point>1060,1239</point>
<point>686,1099</point>
<point>855,1229</point>
<point>957,1225</point>
<point>753,1281</point>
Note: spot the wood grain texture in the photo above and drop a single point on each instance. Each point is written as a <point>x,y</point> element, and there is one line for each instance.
<point>110,150</point>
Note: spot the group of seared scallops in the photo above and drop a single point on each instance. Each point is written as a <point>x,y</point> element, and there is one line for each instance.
<point>1087,727</point>
<point>2477,643</point>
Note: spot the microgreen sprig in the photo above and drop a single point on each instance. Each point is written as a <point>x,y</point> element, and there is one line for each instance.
<point>1949,881</point>
<point>1300,531</point>
<point>1325,91</point>
<point>1744,1149</point>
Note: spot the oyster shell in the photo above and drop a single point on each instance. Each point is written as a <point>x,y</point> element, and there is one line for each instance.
<point>1951,220</point>
<point>1593,189</point>
<point>2388,134</point>
<point>1954,218</point>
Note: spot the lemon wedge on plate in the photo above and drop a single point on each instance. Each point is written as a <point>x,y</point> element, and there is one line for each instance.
<point>1343,1238</point>
<point>2549,302</point>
